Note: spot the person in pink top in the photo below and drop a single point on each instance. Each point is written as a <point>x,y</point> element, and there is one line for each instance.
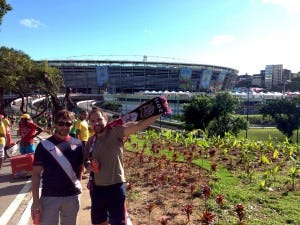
<point>28,131</point>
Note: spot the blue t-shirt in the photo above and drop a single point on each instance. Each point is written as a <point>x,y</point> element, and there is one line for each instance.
<point>54,179</point>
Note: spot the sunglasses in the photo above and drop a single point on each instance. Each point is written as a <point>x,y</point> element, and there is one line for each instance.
<point>67,124</point>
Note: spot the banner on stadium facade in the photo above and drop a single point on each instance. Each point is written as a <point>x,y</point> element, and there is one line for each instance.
<point>205,79</point>
<point>220,80</point>
<point>185,78</point>
<point>102,75</point>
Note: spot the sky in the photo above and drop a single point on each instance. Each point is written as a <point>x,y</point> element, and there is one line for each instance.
<point>245,35</point>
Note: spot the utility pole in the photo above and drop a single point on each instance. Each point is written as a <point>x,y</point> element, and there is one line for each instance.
<point>247,108</point>
<point>298,113</point>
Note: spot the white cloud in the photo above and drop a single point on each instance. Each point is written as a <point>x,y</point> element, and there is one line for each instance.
<point>30,23</point>
<point>252,53</point>
<point>290,5</point>
<point>222,39</point>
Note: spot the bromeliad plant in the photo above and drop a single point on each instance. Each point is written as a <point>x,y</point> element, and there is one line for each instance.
<point>294,171</point>
<point>170,156</point>
<point>188,210</point>
<point>239,209</point>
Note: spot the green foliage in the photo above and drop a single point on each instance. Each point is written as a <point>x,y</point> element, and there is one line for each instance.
<point>112,106</point>
<point>197,113</point>
<point>214,114</point>
<point>226,124</point>
<point>46,79</point>
<point>223,104</point>
<point>22,75</point>
<point>4,8</point>
<point>285,113</point>
<point>14,65</point>
<point>259,120</point>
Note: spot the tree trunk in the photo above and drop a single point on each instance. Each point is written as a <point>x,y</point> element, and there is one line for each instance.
<point>70,104</point>
<point>56,104</point>
<point>2,102</point>
<point>22,102</point>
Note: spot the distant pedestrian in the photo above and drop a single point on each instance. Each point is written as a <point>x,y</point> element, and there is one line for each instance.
<point>59,159</point>
<point>2,139</point>
<point>7,125</point>
<point>73,129</point>
<point>28,131</point>
<point>82,128</point>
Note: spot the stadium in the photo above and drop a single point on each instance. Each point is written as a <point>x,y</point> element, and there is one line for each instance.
<point>116,76</point>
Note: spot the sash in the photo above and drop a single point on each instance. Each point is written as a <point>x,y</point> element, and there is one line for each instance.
<point>92,144</point>
<point>153,107</point>
<point>63,162</point>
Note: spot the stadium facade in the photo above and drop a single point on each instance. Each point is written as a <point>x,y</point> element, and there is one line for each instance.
<point>113,76</point>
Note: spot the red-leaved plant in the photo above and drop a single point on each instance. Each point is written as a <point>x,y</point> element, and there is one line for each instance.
<point>188,210</point>
<point>207,217</point>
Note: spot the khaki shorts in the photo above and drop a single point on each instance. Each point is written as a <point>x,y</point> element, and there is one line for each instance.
<point>54,207</point>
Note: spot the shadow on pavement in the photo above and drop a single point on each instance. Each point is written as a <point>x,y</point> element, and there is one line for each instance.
<point>12,186</point>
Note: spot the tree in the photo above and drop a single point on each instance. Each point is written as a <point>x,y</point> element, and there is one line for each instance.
<point>20,74</point>
<point>14,65</point>
<point>197,113</point>
<point>229,123</point>
<point>224,103</point>
<point>285,112</point>
<point>4,8</point>
<point>214,114</point>
<point>114,106</point>
<point>49,83</point>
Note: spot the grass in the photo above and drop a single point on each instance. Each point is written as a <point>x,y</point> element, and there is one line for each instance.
<point>261,134</point>
<point>268,207</point>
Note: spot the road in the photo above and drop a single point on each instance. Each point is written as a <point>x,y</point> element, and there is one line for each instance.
<point>14,195</point>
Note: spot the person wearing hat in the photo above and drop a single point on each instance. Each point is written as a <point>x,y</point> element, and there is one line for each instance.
<point>2,139</point>
<point>28,131</point>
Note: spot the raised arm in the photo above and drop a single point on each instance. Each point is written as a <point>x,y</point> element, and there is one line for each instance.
<point>141,125</point>
<point>39,130</point>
